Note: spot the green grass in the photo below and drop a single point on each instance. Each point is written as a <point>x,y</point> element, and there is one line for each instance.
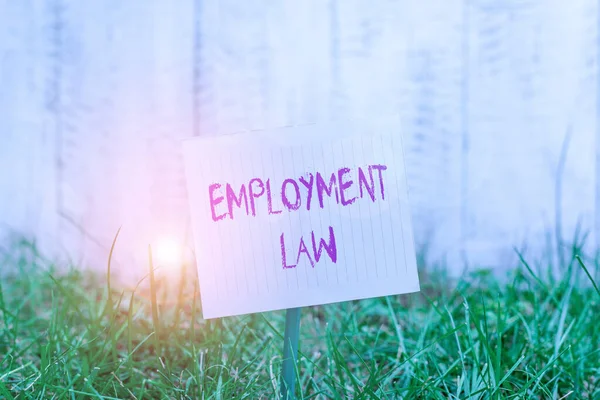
<point>64,335</point>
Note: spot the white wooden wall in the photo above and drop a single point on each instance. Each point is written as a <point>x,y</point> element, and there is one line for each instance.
<point>95,95</point>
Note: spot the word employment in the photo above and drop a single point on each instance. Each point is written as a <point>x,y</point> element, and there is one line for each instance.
<point>342,188</point>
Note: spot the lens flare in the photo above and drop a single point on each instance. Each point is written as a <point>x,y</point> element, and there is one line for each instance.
<point>168,253</point>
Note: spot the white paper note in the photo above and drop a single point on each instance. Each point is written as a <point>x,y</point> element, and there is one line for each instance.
<point>300,216</point>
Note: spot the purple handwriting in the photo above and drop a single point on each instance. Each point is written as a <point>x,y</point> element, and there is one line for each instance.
<point>317,250</point>
<point>345,185</point>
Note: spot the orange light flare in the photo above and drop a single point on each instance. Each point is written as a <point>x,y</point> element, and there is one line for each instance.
<point>167,253</point>
<point>173,269</point>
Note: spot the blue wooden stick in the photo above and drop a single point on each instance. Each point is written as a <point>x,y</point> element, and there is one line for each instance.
<point>290,353</point>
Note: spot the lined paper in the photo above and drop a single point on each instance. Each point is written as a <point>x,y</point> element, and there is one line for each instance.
<point>300,216</point>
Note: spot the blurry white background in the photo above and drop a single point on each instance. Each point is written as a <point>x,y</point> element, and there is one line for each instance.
<point>96,95</point>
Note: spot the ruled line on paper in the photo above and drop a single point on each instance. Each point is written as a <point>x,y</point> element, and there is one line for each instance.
<point>249,229</point>
<point>404,211</point>
<point>263,244</point>
<point>324,166</point>
<point>371,219</point>
<point>212,270</point>
<point>395,252</point>
<point>340,214</point>
<point>348,211</point>
<point>314,163</point>
<point>355,235</point>
<point>221,241</point>
<point>314,218</point>
<point>400,205</point>
<point>292,152</point>
<point>241,241</point>
<point>384,238</point>
<point>275,264</point>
